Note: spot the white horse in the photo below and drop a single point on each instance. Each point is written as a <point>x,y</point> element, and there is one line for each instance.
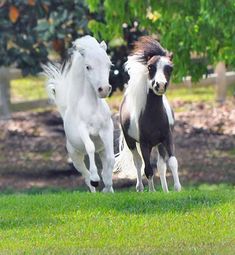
<point>78,87</point>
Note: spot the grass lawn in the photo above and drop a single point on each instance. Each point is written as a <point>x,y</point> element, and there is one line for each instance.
<point>195,221</point>
<point>28,88</point>
<point>33,88</point>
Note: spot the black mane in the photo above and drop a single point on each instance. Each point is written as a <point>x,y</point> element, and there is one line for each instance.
<point>147,47</point>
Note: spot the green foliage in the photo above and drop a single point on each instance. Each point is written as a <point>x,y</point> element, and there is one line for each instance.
<point>29,29</point>
<point>19,43</point>
<point>198,32</point>
<point>190,222</point>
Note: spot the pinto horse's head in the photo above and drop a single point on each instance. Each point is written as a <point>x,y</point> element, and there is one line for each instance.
<point>158,60</point>
<point>96,64</point>
<point>159,73</point>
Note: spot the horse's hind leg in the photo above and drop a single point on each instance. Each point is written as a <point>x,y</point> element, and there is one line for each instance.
<point>146,150</point>
<point>78,161</point>
<point>107,157</point>
<point>161,166</point>
<point>138,164</point>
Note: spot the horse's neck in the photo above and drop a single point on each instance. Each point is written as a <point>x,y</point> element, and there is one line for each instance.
<point>154,102</point>
<point>79,88</point>
<point>90,95</point>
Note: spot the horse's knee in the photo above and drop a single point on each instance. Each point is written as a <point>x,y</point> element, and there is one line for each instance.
<point>173,163</point>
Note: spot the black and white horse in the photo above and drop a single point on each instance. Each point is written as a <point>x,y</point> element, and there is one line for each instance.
<point>145,114</point>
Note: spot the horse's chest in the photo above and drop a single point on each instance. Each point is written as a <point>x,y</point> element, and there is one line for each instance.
<point>95,123</point>
<point>153,129</point>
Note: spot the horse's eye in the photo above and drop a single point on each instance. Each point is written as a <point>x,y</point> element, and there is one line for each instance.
<point>168,69</point>
<point>152,70</point>
<point>88,68</point>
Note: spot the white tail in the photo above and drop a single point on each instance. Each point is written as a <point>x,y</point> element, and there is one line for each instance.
<point>124,165</point>
<point>55,85</point>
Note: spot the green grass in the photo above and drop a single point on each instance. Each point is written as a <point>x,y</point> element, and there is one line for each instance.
<point>28,88</point>
<point>33,88</point>
<point>194,94</point>
<point>196,221</point>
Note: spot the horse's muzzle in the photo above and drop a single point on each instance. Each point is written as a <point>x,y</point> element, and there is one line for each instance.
<point>159,88</point>
<point>104,91</point>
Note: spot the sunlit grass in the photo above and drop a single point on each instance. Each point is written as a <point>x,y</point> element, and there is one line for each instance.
<point>28,88</point>
<point>192,94</point>
<point>190,222</point>
<point>33,88</point>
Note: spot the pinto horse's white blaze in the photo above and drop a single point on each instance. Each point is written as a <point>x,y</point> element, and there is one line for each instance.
<point>145,114</point>
<point>77,87</point>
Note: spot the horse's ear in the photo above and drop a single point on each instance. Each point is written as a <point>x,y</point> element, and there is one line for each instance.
<point>103,45</point>
<point>170,55</point>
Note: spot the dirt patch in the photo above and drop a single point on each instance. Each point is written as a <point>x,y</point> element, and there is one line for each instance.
<point>33,154</point>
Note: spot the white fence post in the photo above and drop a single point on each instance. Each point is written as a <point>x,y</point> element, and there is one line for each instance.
<point>4,93</point>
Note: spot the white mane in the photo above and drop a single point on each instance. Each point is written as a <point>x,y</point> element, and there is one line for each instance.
<point>137,88</point>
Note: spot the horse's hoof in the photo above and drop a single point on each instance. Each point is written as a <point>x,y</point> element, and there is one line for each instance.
<point>140,188</point>
<point>108,190</point>
<point>92,189</point>
<point>94,184</point>
<point>177,187</point>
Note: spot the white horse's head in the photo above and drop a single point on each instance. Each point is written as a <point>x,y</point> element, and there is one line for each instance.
<point>96,63</point>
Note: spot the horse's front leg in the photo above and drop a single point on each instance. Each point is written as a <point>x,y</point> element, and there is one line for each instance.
<point>107,157</point>
<point>172,161</point>
<point>78,162</point>
<point>146,150</point>
<point>90,149</point>
<point>161,166</point>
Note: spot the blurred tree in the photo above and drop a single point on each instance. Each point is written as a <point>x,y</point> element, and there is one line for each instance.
<point>199,32</point>
<point>30,28</point>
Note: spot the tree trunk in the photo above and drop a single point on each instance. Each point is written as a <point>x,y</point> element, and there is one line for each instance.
<point>4,93</point>
<point>221,83</point>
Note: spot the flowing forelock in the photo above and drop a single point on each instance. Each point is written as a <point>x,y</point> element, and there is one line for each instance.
<point>147,47</point>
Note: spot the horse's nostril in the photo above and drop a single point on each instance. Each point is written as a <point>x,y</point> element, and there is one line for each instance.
<point>157,85</point>
<point>100,89</point>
